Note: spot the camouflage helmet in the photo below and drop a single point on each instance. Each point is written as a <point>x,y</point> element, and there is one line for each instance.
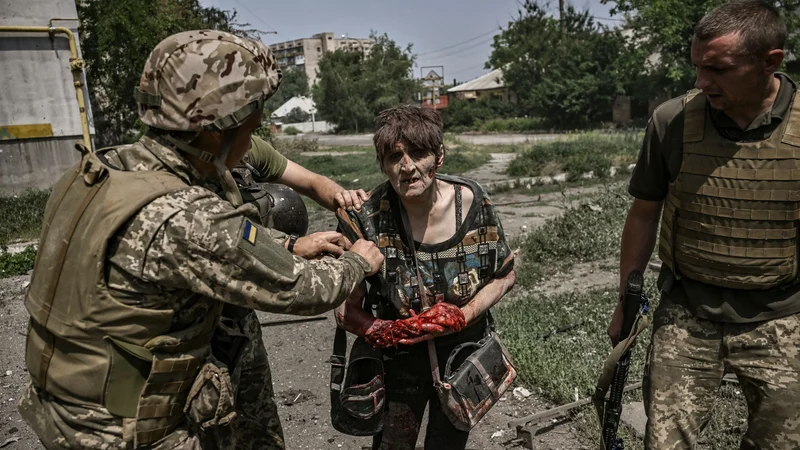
<point>205,80</point>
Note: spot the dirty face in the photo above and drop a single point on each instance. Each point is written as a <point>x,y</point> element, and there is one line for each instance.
<point>411,171</point>
<point>732,80</point>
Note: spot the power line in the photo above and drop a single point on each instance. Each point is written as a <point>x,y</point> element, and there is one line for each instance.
<point>466,69</point>
<point>255,15</point>
<point>461,50</point>
<point>462,42</point>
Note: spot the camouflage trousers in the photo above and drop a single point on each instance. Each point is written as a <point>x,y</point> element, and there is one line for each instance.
<point>257,425</point>
<point>687,359</point>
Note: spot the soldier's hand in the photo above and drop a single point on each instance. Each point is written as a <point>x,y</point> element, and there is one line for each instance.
<point>615,327</point>
<point>369,251</point>
<point>351,199</point>
<point>317,244</point>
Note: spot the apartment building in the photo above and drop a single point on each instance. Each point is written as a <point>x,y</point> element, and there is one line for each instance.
<point>306,53</point>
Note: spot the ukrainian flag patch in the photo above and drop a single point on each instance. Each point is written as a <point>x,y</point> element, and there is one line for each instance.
<point>249,232</point>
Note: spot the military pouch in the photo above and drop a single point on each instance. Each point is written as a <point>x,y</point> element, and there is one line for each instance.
<point>358,399</point>
<point>469,392</point>
<point>211,397</point>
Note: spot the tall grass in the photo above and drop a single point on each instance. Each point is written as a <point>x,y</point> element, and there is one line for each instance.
<point>587,152</point>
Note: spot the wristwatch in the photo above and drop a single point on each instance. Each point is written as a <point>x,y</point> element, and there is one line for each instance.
<point>292,239</point>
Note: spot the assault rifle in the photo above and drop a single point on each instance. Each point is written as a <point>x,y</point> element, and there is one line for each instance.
<point>634,318</point>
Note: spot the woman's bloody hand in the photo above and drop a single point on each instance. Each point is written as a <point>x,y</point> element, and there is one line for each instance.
<point>440,318</point>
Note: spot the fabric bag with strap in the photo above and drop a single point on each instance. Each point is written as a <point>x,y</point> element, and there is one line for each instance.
<point>468,392</point>
<point>358,395</point>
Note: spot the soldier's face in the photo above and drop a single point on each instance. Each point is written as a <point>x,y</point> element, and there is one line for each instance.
<point>732,80</point>
<point>241,142</point>
<point>411,171</point>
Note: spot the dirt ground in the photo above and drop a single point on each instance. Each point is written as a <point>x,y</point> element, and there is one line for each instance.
<point>299,352</point>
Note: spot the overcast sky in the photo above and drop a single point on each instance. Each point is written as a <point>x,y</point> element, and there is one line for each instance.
<point>455,34</point>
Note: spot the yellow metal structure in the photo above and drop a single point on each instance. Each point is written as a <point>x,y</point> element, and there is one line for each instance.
<point>34,130</point>
<point>76,66</point>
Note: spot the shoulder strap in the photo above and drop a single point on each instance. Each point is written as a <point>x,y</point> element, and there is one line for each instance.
<point>791,134</point>
<point>459,202</point>
<point>434,361</point>
<point>694,116</point>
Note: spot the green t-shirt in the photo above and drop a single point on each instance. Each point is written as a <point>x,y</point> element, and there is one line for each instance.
<point>659,163</point>
<point>269,165</point>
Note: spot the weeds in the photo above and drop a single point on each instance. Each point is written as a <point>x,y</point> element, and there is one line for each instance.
<point>587,232</point>
<point>17,263</point>
<point>291,148</point>
<point>561,364</point>
<point>515,125</point>
<point>588,152</point>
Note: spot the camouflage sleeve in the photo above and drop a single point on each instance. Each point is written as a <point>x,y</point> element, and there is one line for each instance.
<point>269,164</point>
<point>205,245</point>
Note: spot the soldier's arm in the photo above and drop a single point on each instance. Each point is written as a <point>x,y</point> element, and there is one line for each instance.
<point>208,247</point>
<point>320,188</point>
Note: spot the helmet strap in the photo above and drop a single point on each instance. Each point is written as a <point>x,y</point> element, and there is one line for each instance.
<point>226,180</point>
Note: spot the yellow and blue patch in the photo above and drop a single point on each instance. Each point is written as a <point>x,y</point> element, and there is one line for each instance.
<point>249,232</point>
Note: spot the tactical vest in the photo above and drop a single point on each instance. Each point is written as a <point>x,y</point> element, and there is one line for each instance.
<point>451,274</point>
<point>731,216</point>
<point>84,346</point>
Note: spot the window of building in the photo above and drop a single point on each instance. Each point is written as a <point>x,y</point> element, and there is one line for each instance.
<point>319,49</point>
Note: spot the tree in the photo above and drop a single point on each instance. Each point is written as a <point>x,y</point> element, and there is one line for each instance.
<point>294,83</point>
<point>116,39</point>
<point>352,89</point>
<point>570,82</point>
<point>662,30</point>
<point>297,115</point>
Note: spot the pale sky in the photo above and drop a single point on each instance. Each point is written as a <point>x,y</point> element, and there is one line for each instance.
<point>455,34</point>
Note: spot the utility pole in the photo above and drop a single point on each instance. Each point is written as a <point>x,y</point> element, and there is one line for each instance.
<point>561,19</point>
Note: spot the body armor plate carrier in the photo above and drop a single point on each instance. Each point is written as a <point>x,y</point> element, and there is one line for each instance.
<point>731,216</point>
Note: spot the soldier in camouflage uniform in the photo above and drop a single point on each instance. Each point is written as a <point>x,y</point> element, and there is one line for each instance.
<point>722,163</point>
<point>137,258</point>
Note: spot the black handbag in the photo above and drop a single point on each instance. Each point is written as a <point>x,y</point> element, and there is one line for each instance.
<point>358,395</point>
<point>469,392</point>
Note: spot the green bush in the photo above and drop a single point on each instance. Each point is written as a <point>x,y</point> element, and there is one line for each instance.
<point>516,125</point>
<point>470,114</point>
<point>264,132</point>
<point>291,131</point>
<point>17,263</point>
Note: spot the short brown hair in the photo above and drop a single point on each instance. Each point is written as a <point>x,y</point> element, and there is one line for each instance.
<point>758,24</point>
<point>416,127</point>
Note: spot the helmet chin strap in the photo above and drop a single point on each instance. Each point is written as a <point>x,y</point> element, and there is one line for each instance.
<point>226,180</point>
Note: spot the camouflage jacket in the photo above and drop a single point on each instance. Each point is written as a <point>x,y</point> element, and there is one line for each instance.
<point>185,245</point>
